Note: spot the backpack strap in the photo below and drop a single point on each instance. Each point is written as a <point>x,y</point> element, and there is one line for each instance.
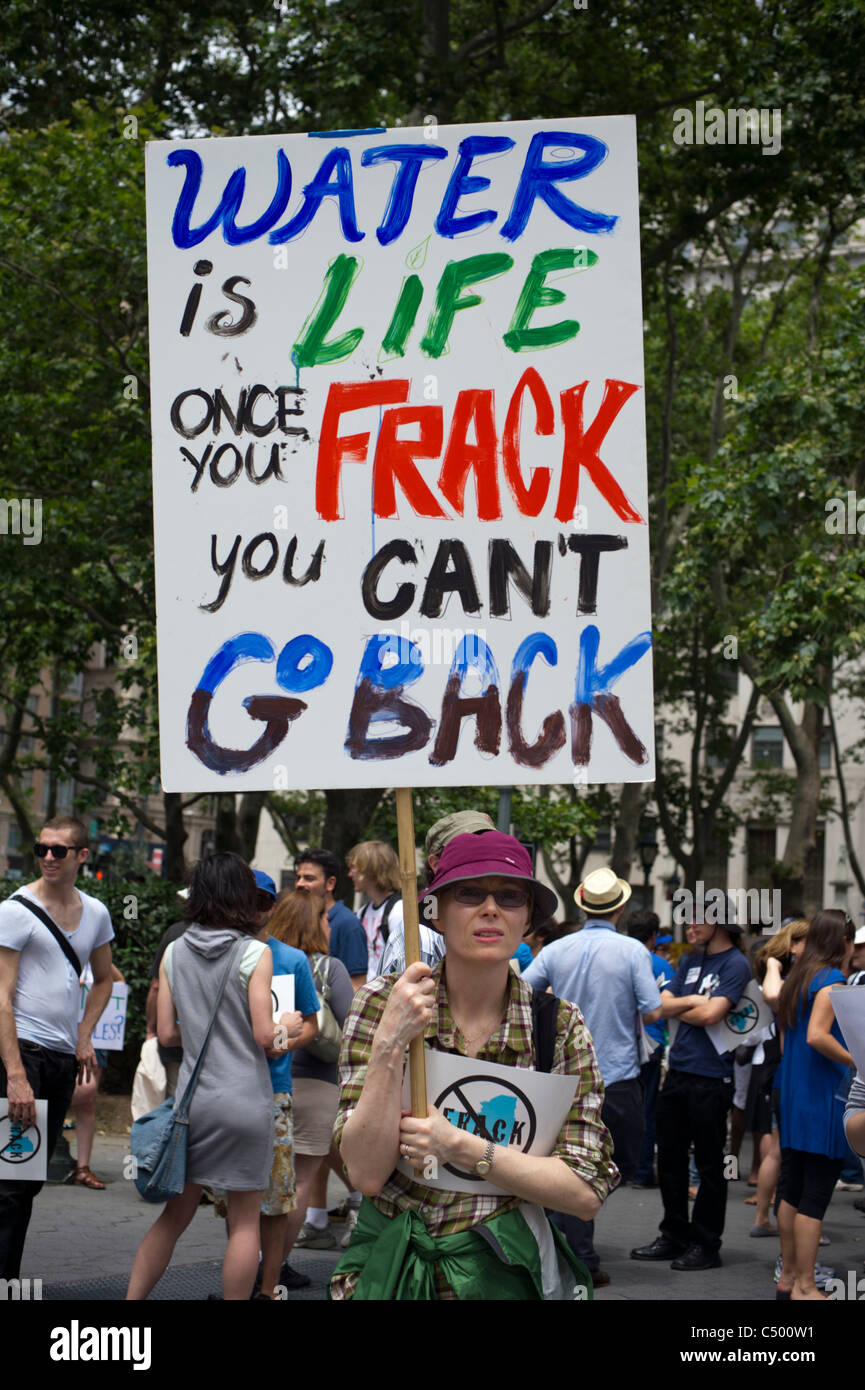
<point>388,907</point>
<point>55,931</point>
<point>545,1015</point>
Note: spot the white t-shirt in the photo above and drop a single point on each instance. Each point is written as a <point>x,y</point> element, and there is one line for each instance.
<point>45,1004</point>
<point>370,920</point>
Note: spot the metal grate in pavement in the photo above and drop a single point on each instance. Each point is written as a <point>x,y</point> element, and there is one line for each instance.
<point>188,1282</point>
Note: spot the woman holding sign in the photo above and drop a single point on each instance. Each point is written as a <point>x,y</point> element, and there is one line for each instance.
<point>416,1237</point>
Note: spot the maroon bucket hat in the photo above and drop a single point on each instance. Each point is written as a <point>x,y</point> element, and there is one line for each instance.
<point>476,856</point>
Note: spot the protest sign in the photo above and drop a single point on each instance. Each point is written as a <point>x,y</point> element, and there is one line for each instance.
<point>110,1029</point>
<point>282,995</point>
<point>511,1105</point>
<point>400,493</point>
<point>848,1001</point>
<point>23,1152</point>
<point>745,1021</point>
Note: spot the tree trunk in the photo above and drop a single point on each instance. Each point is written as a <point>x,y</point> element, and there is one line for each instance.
<point>852,856</point>
<point>433,97</point>
<point>804,741</point>
<point>226,837</point>
<point>348,815</point>
<point>174,866</point>
<point>248,817</point>
<point>627,826</point>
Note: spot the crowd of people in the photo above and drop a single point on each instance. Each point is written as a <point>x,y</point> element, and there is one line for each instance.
<point>285,1097</point>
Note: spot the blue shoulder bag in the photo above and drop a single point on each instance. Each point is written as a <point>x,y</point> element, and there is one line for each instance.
<point>158,1140</point>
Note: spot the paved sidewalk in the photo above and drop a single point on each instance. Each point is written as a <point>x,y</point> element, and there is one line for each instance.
<point>81,1244</point>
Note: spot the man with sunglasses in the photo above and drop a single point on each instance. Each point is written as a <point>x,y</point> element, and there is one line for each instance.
<point>43,1048</point>
<point>609,977</point>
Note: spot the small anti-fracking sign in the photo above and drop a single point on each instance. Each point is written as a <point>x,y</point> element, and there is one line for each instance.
<point>744,1023</point>
<point>512,1106</point>
<point>23,1155</point>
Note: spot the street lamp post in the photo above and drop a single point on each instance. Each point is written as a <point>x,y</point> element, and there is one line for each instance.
<point>648,853</point>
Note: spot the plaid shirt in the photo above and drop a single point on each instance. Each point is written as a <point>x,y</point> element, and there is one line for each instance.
<point>584,1142</point>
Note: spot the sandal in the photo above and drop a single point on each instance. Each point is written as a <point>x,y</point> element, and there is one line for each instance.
<point>83,1177</point>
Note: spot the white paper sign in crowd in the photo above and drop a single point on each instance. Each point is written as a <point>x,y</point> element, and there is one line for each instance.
<point>282,995</point>
<point>509,1105</point>
<point>400,492</point>
<point>848,1002</point>
<point>744,1023</point>
<point>110,1031</point>
<point>23,1152</point>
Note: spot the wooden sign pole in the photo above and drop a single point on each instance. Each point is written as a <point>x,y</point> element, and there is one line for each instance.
<point>408,886</point>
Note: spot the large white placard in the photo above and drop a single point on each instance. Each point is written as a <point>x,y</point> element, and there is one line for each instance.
<point>510,1105</point>
<point>848,1002</point>
<point>400,495</point>
<point>23,1152</point>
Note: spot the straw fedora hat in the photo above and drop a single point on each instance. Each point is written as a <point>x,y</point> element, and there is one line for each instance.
<point>602,892</point>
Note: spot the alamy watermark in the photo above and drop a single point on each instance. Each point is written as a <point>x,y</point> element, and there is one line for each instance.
<point>738,905</point>
<point>715,125</point>
<point>18,1290</point>
<point>21,516</point>
<point>845,516</point>
<point>434,646</point>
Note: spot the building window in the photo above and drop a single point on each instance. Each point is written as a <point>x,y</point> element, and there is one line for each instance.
<point>761,854</point>
<point>767,746</point>
<point>719,744</point>
<point>714,871</point>
<point>603,839</point>
<point>825,752</point>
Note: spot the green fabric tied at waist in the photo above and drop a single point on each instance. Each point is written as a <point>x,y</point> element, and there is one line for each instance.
<point>395,1258</point>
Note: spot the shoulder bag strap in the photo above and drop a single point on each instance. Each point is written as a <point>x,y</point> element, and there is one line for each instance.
<point>545,1017</point>
<point>239,948</point>
<point>321,975</point>
<point>55,931</point>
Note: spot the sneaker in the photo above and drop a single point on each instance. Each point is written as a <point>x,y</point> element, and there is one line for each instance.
<point>350,1223</point>
<point>842,1186</point>
<point>315,1238</point>
<point>339,1212</point>
<point>822,1273</point>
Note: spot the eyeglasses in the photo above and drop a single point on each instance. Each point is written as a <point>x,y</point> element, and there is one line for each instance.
<point>472,895</point>
<point>56,851</point>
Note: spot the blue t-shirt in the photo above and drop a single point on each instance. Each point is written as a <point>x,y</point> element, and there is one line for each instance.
<point>609,977</point>
<point>663,973</point>
<point>523,955</point>
<point>288,961</point>
<point>727,974</point>
<point>347,939</point>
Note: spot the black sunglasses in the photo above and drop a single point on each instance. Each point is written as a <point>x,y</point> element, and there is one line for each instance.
<point>472,895</point>
<point>56,851</point>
